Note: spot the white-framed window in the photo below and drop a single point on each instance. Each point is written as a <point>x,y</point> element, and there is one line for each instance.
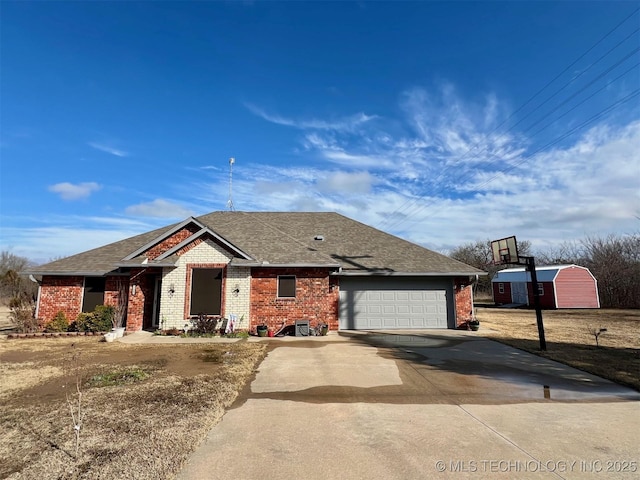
<point>286,286</point>
<point>500,287</point>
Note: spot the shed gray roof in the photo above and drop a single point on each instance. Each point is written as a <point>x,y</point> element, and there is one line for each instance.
<point>547,273</point>
<point>287,238</point>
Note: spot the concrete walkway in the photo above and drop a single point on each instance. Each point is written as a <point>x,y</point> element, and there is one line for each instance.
<point>442,405</point>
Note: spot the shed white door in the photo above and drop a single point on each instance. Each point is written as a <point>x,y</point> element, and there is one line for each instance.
<point>389,304</point>
<point>519,293</point>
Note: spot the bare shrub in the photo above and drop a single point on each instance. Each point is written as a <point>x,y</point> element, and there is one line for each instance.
<point>22,314</point>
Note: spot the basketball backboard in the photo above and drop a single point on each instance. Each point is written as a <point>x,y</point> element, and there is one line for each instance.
<point>505,251</point>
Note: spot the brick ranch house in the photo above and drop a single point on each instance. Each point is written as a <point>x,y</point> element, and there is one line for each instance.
<point>266,268</point>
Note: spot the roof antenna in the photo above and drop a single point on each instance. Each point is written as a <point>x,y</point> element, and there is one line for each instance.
<point>230,201</point>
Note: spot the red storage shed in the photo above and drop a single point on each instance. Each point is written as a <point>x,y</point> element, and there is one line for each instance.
<point>560,286</point>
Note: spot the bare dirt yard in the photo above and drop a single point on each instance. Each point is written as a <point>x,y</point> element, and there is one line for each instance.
<point>145,408</point>
<point>570,338</point>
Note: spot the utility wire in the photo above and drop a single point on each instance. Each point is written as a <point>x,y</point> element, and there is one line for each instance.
<point>588,98</point>
<point>548,114</point>
<point>553,142</point>
<point>590,120</point>
<point>411,203</point>
<point>577,93</point>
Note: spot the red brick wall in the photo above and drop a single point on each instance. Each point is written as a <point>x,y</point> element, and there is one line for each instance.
<point>60,294</point>
<point>463,301</point>
<point>172,241</point>
<point>111,289</point>
<point>316,298</point>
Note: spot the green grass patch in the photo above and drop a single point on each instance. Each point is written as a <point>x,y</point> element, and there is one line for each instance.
<point>118,377</point>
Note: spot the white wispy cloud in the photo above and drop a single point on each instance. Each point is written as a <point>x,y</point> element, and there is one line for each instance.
<point>71,191</point>
<point>341,182</point>
<point>108,149</point>
<point>158,208</point>
<point>341,124</point>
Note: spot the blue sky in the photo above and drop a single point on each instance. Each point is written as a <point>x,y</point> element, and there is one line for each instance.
<point>440,122</point>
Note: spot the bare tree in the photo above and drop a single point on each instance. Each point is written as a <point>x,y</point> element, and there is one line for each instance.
<point>614,260</point>
<point>14,286</point>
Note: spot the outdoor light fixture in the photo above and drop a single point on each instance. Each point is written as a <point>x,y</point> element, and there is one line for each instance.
<point>172,290</point>
<point>236,290</point>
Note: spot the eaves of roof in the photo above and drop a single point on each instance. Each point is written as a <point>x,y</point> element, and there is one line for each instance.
<point>382,273</point>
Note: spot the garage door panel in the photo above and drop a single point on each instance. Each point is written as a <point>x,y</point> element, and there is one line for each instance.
<point>404,323</point>
<point>371,305</point>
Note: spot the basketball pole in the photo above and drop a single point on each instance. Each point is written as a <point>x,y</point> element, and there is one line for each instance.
<point>531,266</point>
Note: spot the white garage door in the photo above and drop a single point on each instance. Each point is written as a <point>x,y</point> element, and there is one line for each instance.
<point>382,307</point>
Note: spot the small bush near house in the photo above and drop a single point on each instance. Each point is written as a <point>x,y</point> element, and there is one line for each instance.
<point>97,321</point>
<point>204,325</point>
<point>59,323</point>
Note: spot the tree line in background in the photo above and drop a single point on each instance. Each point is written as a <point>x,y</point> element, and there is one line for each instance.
<point>614,260</point>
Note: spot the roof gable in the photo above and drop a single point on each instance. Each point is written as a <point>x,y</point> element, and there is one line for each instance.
<point>199,234</point>
<point>164,236</point>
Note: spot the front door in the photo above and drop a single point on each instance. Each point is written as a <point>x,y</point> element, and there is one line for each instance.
<point>155,318</point>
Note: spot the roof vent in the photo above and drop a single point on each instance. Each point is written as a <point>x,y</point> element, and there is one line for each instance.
<point>319,238</point>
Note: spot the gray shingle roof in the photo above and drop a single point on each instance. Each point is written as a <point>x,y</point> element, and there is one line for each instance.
<point>99,260</point>
<point>287,238</point>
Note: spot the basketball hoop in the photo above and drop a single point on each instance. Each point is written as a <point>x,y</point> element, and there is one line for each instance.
<point>505,251</point>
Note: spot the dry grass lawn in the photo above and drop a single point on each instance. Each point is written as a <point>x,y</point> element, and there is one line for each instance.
<point>570,339</point>
<point>146,407</point>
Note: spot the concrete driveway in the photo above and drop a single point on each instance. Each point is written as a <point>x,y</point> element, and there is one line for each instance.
<point>445,404</point>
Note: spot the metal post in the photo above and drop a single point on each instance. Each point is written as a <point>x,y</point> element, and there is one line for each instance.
<point>531,266</point>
